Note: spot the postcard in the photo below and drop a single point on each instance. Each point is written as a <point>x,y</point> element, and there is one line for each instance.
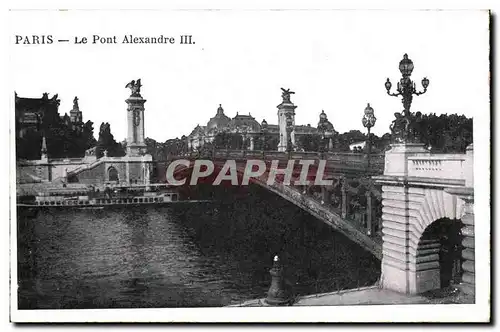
<point>250,165</point>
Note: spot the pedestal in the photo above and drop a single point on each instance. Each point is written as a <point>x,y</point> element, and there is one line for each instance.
<point>135,125</point>
<point>396,159</point>
<point>285,109</point>
<point>279,293</point>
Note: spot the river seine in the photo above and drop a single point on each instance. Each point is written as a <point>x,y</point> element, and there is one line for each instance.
<point>184,255</point>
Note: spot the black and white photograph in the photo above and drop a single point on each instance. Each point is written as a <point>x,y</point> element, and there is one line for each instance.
<point>249,165</point>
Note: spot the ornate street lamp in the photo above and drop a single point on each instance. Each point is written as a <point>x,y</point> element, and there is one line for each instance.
<point>263,132</point>
<point>369,120</point>
<point>405,88</point>
<point>326,131</point>
<point>322,130</point>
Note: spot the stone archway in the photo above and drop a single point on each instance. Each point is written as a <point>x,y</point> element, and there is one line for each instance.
<point>438,255</point>
<point>113,174</point>
<point>411,257</point>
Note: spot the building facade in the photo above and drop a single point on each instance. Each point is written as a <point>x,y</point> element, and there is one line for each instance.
<point>286,133</point>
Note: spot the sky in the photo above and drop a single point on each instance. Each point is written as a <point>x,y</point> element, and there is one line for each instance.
<point>336,61</point>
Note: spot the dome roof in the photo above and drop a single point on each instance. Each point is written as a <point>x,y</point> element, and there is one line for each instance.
<point>324,124</point>
<point>239,122</point>
<point>219,121</point>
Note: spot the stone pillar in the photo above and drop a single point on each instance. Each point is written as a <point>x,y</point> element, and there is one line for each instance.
<point>285,109</point>
<point>344,199</point>
<point>325,195</point>
<point>369,226</point>
<point>468,284</point>
<point>251,143</point>
<point>44,156</point>
<point>396,159</point>
<point>135,133</point>
<point>127,173</point>
<point>399,270</point>
<point>469,275</point>
<point>468,253</point>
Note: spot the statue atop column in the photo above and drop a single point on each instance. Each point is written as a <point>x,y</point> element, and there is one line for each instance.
<point>286,95</point>
<point>135,88</point>
<point>75,104</point>
<point>135,120</point>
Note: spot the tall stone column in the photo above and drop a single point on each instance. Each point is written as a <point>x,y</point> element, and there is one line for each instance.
<point>286,109</point>
<point>135,118</point>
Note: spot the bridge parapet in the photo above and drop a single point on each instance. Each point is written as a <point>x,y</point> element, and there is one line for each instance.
<point>342,160</point>
<point>439,166</point>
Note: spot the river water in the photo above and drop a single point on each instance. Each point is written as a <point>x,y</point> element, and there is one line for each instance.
<point>187,255</point>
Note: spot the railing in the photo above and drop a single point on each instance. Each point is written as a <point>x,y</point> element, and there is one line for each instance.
<point>360,205</point>
<point>355,202</point>
<point>443,166</point>
<point>339,159</point>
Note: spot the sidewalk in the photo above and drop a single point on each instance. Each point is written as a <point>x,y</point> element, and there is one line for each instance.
<point>359,296</point>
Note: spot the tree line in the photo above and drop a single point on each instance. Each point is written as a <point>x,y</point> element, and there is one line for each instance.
<point>446,133</point>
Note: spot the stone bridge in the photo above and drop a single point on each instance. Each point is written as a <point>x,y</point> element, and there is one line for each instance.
<point>348,205</point>
<point>408,207</point>
<point>413,211</point>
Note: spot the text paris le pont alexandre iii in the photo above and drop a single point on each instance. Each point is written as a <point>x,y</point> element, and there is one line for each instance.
<point>98,39</point>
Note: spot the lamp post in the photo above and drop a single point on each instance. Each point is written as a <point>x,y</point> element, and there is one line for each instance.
<point>369,120</point>
<point>263,132</point>
<point>405,88</point>
<point>322,129</point>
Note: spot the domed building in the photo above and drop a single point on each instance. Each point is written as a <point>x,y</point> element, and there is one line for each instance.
<point>244,123</point>
<point>219,121</point>
<point>249,131</point>
<point>323,124</point>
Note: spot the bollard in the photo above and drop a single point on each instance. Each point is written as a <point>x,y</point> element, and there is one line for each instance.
<point>279,293</point>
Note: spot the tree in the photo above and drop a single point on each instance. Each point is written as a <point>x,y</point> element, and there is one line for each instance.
<point>446,133</point>
<point>64,139</point>
<point>310,142</point>
<point>347,138</point>
<point>230,141</point>
<point>106,142</point>
<point>84,139</point>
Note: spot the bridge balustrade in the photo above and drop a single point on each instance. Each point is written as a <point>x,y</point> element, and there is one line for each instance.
<point>353,161</point>
<point>357,200</point>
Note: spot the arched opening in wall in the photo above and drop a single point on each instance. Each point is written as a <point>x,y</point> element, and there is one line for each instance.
<point>113,174</point>
<point>440,248</point>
